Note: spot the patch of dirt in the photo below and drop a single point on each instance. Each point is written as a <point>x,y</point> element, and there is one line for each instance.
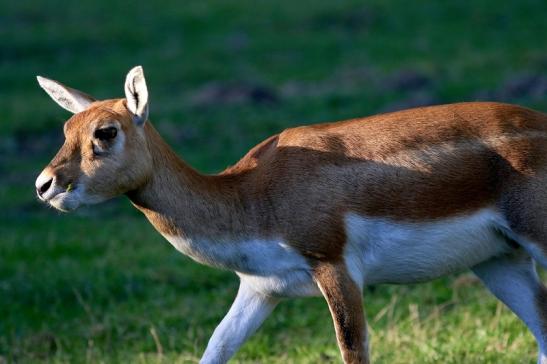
<point>175,131</point>
<point>408,80</point>
<point>521,85</point>
<point>414,100</point>
<point>30,144</point>
<point>341,82</point>
<point>236,41</point>
<point>352,20</point>
<point>217,92</point>
<point>344,81</point>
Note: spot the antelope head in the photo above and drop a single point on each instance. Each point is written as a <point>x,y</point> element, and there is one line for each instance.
<point>105,152</point>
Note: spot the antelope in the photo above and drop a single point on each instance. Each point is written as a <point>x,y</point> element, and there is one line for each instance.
<point>328,209</point>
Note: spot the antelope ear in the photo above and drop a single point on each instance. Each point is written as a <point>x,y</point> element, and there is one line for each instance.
<point>68,98</point>
<point>136,94</point>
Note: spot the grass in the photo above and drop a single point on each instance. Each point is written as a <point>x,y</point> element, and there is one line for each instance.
<point>100,285</point>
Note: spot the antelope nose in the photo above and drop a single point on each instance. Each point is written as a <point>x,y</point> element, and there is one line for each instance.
<point>43,184</point>
<point>44,187</point>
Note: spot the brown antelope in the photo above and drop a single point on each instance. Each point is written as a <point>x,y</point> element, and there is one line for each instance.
<point>327,209</point>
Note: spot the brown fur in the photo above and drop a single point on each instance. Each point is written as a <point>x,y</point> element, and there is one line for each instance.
<point>418,164</point>
<point>413,165</point>
<point>345,304</point>
<point>75,159</point>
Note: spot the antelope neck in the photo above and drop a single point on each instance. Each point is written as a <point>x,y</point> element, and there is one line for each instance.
<point>180,201</point>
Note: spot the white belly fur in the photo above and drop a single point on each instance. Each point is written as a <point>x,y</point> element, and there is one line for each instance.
<point>377,251</point>
<point>269,266</point>
<point>386,251</point>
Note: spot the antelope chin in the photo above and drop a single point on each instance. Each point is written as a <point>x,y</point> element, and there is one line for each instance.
<point>66,201</point>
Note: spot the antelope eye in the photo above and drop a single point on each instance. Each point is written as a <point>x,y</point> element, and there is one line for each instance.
<point>106,133</point>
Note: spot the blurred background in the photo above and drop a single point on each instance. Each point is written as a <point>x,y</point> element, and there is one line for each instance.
<point>101,286</point>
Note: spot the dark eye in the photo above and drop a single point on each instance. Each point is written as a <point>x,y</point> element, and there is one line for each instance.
<point>106,133</point>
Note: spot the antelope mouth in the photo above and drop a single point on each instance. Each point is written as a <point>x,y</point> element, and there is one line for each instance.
<point>65,200</point>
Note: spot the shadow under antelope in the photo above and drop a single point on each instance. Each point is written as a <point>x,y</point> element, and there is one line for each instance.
<point>327,209</point>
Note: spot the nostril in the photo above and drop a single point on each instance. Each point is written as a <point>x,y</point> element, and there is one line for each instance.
<point>43,188</point>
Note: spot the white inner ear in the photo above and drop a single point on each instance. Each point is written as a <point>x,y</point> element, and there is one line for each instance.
<point>68,98</point>
<point>136,94</point>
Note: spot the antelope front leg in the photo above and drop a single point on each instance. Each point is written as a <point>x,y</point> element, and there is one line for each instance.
<point>247,313</point>
<point>345,304</point>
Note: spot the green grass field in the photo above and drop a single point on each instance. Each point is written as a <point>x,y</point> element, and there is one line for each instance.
<point>101,286</point>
